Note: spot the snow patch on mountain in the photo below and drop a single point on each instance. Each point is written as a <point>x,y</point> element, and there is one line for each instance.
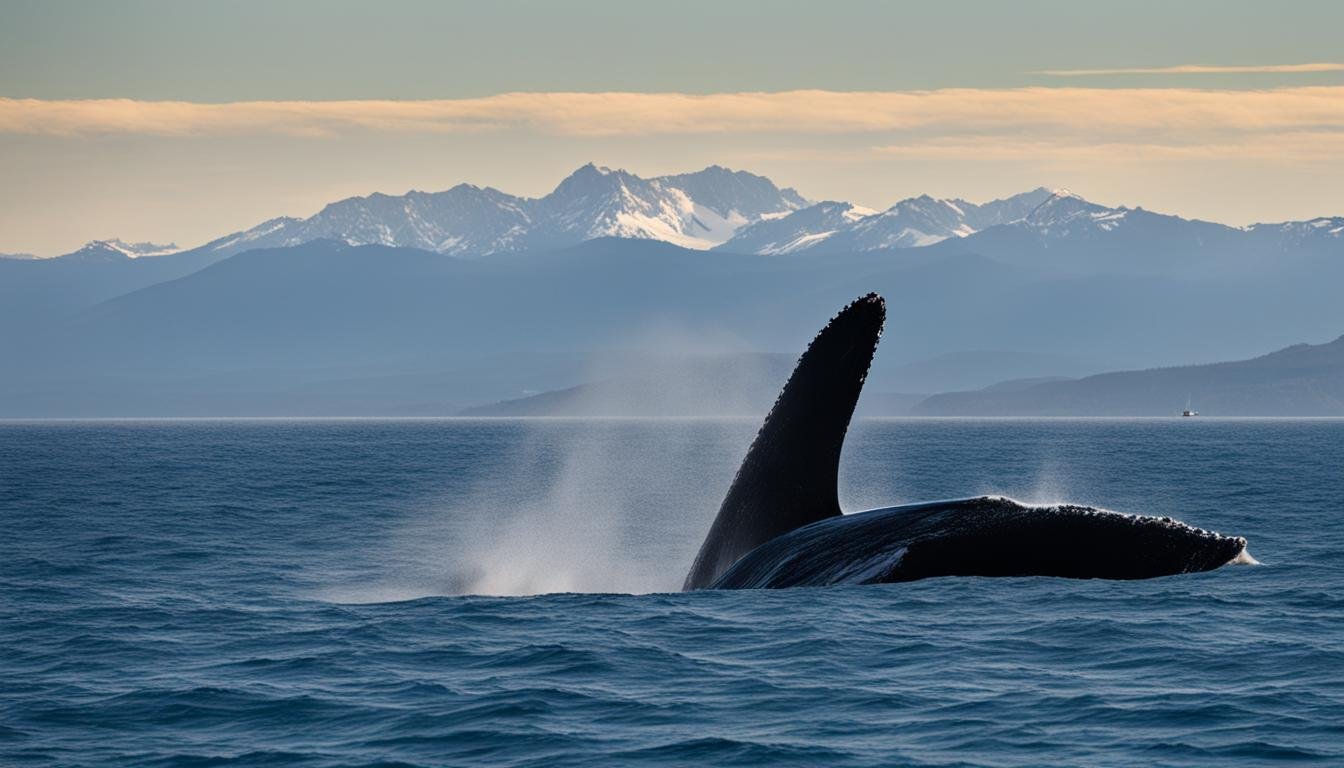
<point>134,250</point>
<point>259,234</point>
<point>120,250</point>
<point>797,231</point>
<point>1322,232</point>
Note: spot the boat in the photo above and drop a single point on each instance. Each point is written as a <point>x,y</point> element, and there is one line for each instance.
<point>1188,410</point>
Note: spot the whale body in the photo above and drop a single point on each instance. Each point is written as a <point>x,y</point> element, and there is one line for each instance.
<point>986,536</point>
<point>780,524</point>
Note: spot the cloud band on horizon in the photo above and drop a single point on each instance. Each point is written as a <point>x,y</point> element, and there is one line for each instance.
<point>1201,69</point>
<point>1103,113</point>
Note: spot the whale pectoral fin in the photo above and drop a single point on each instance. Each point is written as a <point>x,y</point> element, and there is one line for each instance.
<point>788,478</point>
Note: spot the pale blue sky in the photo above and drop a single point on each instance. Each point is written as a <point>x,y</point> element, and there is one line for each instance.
<point>72,175</point>
<point>239,50</point>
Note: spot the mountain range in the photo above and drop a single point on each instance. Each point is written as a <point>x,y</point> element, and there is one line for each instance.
<point>731,211</point>
<point>693,210</point>
<point>835,227</point>
<point>430,303</point>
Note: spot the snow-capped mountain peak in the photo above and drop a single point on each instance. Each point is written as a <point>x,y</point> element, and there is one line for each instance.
<point>1063,207</point>
<point>724,190</point>
<point>693,210</point>
<point>590,179</point>
<point>914,221</point>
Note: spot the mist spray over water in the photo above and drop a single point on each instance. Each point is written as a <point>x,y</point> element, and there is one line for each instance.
<point>1050,486</point>
<point>672,373</point>
<point>613,503</point>
<point>608,518</point>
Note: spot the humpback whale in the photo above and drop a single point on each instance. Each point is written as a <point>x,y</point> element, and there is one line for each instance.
<point>780,524</point>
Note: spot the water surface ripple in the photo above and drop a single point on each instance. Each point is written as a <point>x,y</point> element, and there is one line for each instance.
<point>292,593</point>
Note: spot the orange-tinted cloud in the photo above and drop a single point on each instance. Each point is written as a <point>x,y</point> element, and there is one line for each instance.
<point>1282,148</point>
<point>1164,115</point>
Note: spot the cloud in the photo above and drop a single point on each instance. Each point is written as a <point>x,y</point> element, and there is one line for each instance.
<point>1098,115</point>
<point>1298,148</point>
<point>1200,69</point>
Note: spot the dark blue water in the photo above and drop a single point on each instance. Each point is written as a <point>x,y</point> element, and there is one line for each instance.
<point>277,593</point>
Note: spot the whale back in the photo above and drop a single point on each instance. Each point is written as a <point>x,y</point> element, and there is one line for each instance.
<point>788,478</point>
<point>985,536</point>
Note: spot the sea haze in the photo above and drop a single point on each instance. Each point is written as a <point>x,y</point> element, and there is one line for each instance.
<point>317,593</point>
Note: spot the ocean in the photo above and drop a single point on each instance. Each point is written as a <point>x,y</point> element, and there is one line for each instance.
<point>499,592</point>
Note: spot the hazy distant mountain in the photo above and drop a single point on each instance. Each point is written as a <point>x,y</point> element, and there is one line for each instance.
<point>663,386</point>
<point>744,394</point>
<point>329,328</point>
<point>1301,380</point>
<point>1013,385</point>
<point>973,369</point>
<point>34,292</point>
<point>747,384</point>
<point>239,335</point>
<point>18,256</point>
<point>695,210</point>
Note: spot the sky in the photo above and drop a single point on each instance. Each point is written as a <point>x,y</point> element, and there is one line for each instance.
<point>173,121</point>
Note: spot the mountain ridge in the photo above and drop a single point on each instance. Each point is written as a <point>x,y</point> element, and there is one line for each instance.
<point>697,209</point>
<point>1298,380</point>
<point>720,209</point>
<point>909,223</point>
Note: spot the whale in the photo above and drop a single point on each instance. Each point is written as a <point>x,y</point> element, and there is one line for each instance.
<point>780,524</point>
